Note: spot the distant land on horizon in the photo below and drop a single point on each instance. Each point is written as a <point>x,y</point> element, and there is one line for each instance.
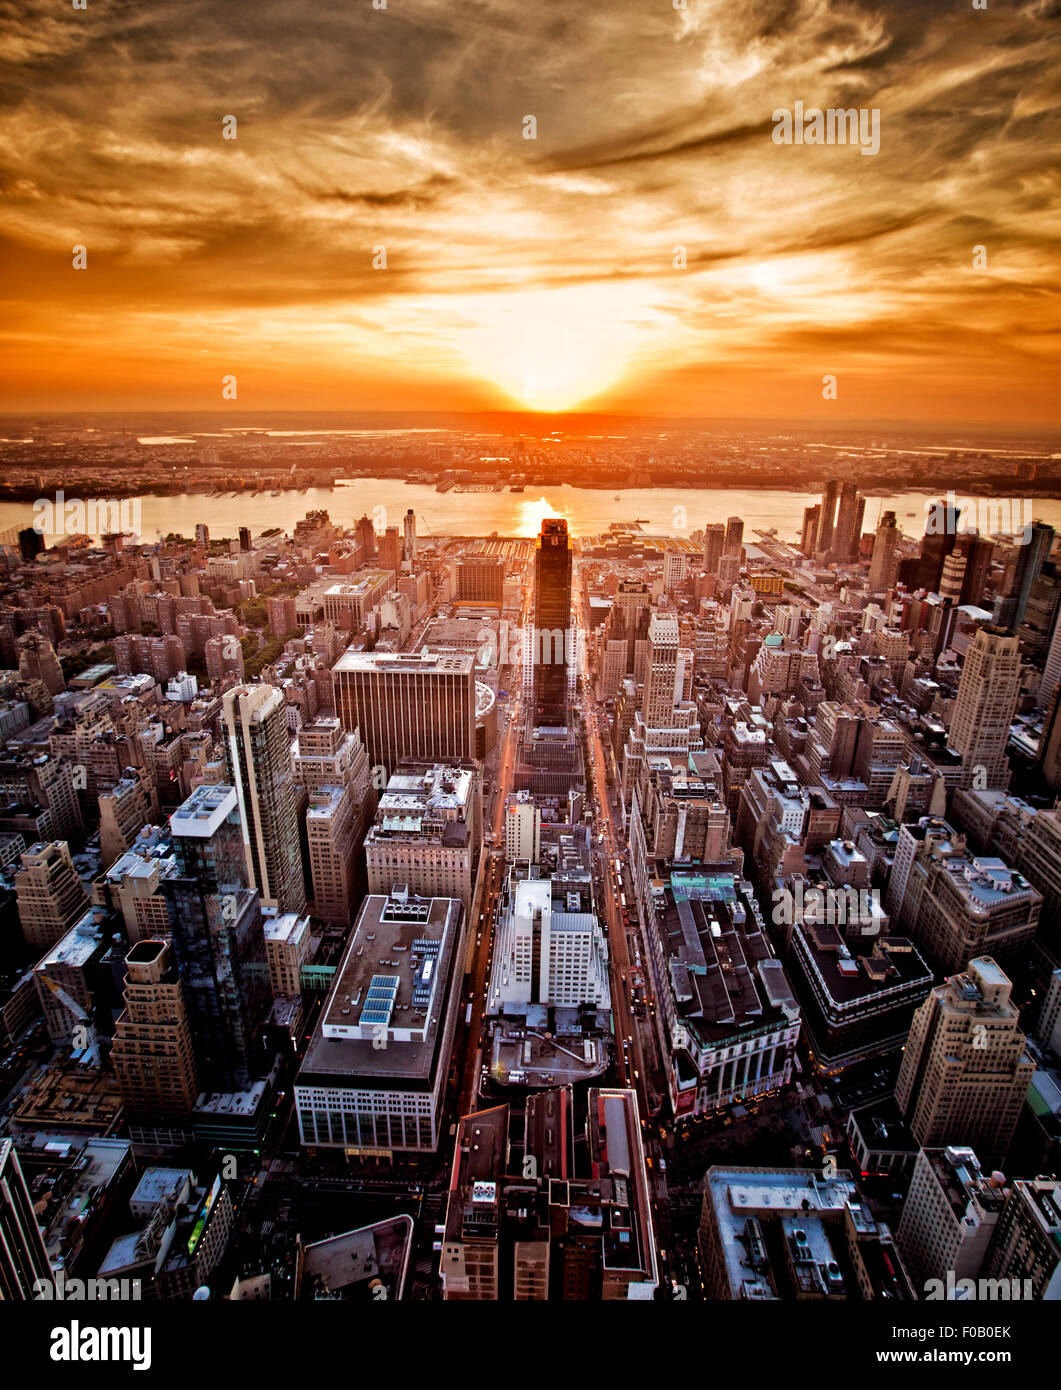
<point>538,423</point>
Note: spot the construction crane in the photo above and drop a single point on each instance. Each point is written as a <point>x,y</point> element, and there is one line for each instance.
<point>91,1046</point>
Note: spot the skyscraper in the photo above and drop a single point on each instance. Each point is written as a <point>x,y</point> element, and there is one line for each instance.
<point>552,624</point>
<point>714,541</point>
<point>51,897</point>
<point>941,527</point>
<point>661,678</point>
<point>978,551</point>
<point>811,517</point>
<point>885,562</point>
<point>218,940</point>
<point>825,520</point>
<point>390,550</point>
<point>152,1052</point>
<point>410,535</point>
<point>987,697</point>
<point>1025,565</point>
<point>258,758</point>
<point>848,523</point>
<point>734,536</point>
<point>965,1073</point>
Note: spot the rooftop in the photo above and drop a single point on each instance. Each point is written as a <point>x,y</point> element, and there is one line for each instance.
<point>392,984</point>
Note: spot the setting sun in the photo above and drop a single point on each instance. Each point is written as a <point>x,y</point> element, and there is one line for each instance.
<point>552,351</point>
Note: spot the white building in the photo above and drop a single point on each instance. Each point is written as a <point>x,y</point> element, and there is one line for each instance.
<point>523,823</point>
<point>548,950</point>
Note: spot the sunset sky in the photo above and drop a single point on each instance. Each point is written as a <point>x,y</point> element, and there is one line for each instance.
<point>520,272</point>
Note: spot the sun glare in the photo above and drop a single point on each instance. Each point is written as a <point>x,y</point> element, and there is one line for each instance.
<point>551,351</point>
<point>532,514</point>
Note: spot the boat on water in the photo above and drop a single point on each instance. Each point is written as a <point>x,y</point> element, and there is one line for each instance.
<point>617,498</point>
<point>275,492</point>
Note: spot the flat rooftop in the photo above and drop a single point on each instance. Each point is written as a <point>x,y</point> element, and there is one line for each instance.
<point>203,812</point>
<point>459,663</point>
<point>380,1251</point>
<point>393,984</point>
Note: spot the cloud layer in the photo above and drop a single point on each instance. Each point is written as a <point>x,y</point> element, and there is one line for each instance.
<point>543,270</point>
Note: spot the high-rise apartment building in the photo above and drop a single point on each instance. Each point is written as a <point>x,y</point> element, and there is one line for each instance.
<point>258,759</point>
<point>550,948</point>
<point>978,551</point>
<point>662,683</point>
<point>523,826</point>
<point>965,1071</point>
<point>335,828</point>
<point>987,698</point>
<point>1027,1240</point>
<point>326,755</point>
<point>809,533</point>
<point>884,565</point>
<point>848,529</point>
<point>51,897</point>
<point>734,536</point>
<point>410,535</point>
<point>941,529</point>
<point>287,945</point>
<point>152,1051</point>
<point>37,661</point>
<point>124,810</point>
<point>390,550</point>
<point>714,544</point>
<point>949,1216</point>
<point>954,904</point>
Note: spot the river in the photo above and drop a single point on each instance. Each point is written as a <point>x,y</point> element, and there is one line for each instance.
<point>589,511</point>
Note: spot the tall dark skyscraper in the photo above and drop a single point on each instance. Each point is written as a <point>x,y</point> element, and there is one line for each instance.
<point>978,551</point>
<point>811,516</point>
<point>552,617</point>
<point>1022,573</point>
<point>734,536</point>
<point>258,757</point>
<point>826,518</point>
<point>218,939</point>
<point>941,529</point>
<point>848,523</point>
